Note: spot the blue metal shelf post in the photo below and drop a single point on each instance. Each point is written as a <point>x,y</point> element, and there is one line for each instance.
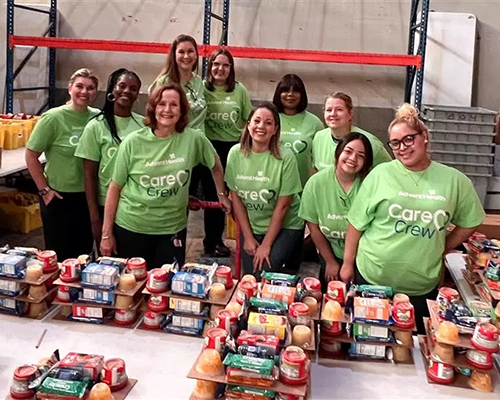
<point>207,24</point>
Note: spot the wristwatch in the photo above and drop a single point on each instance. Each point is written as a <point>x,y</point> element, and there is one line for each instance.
<point>44,191</point>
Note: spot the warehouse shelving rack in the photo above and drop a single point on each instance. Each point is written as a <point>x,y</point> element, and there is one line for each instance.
<point>413,60</point>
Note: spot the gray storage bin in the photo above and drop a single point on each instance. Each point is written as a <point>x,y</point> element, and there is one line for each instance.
<point>480,183</point>
<point>464,114</point>
<point>458,126</point>
<point>456,156</point>
<point>443,145</point>
<point>470,168</point>
<point>464,137</point>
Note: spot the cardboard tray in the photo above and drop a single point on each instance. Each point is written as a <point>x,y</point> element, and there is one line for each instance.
<point>24,297</point>
<point>41,281</point>
<point>110,322</point>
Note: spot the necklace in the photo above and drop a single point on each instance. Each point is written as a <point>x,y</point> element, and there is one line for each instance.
<point>410,173</point>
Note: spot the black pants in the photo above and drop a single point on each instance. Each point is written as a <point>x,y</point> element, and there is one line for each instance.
<point>419,302</point>
<point>155,249</point>
<point>285,253</point>
<point>66,225</point>
<point>214,219</point>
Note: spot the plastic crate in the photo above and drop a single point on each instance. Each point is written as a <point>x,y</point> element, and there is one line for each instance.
<point>464,114</point>
<point>458,156</point>
<point>471,168</point>
<point>20,212</point>
<point>449,145</point>
<point>458,126</point>
<point>461,136</point>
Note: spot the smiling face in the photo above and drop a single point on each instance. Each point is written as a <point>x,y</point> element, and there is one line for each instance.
<point>352,158</point>
<point>221,68</point>
<point>82,92</point>
<point>290,99</point>
<point>413,155</point>
<point>168,110</point>
<point>186,56</point>
<point>126,91</point>
<point>337,114</point>
<point>262,127</point>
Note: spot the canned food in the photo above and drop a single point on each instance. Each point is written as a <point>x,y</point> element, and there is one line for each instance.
<point>137,267</point>
<point>336,290</point>
<point>294,366</point>
<point>49,260</point>
<point>70,270</point>
<point>114,374</point>
<point>445,297</point>
<point>224,275</point>
<point>480,359</point>
<point>216,338</point>
<point>157,280</point>
<point>22,376</point>
<point>227,320</point>
<point>440,373</point>
<point>485,337</point>
<point>299,314</point>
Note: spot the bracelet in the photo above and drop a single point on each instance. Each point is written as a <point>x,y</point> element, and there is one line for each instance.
<point>105,237</point>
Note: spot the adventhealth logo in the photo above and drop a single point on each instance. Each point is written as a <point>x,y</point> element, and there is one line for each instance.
<point>172,159</point>
<point>423,196</point>
<point>418,223</point>
<point>336,217</point>
<point>297,146</point>
<point>260,177</point>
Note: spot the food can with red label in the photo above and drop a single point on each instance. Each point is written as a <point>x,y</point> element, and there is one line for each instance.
<point>336,290</point>
<point>331,328</point>
<point>70,270</point>
<point>247,288</point>
<point>299,314</point>
<point>480,359</point>
<point>313,287</point>
<point>125,317</point>
<point>224,275</point>
<point>137,267</point>
<point>22,376</point>
<point>403,315</point>
<point>440,373</point>
<point>157,280</point>
<point>294,366</point>
<point>445,297</point>
<point>49,260</point>
<point>227,320</point>
<point>63,294</point>
<point>158,303</point>
<point>286,396</point>
<point>215,339</point>
<point>485,337</point>
<point>114,374</point>
<point>151,320</point>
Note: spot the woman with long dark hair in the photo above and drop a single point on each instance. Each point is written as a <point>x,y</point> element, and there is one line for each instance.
<point>101,138</point>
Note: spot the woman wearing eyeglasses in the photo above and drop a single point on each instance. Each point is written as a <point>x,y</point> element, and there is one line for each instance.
<point>397,224</point>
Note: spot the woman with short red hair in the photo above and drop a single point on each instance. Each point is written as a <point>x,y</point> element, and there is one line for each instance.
<point>145,213</point>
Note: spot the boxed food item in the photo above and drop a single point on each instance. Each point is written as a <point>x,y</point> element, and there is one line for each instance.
<point>368,351</point>
<point>267,324</point>
<point>102,276</point>
<point>372,310</point>
<point>187,322</point>
<point>369,332</point>
<point>246,370</point>
<point>88,312</point>
<point>271,342</point>
<point>118,263</point>
<point>12,306</point>
<point>96,296</point>
<point>52,388</point>
<point>12,288</point>
<point>12,266</point>
<point>91,364</point>
<point>186,306</point>
<point>281,293</point>
<point>189,284</point>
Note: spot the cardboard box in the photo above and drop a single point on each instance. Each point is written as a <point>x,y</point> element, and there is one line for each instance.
<point>87,312</point>
<point>186,306</point>
<point>369,331</point>
<point>371,309</point>
<point>267,324</point>
<point>91,364</point>
<point>281,293</point>
<point>100,276</point>
<point>491,226</point>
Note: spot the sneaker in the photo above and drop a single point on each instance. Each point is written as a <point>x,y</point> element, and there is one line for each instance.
<point>221,250</point>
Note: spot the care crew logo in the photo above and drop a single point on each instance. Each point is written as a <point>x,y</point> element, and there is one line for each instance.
<point>165,185</point>
<point>297,146</point>
<point>419,222</point>
<point>256,200</point>
<point>332,233</point>
<point>76,132</point>
<point>224,119</point>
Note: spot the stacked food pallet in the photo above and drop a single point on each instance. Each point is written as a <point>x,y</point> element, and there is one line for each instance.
<point>463,138</point>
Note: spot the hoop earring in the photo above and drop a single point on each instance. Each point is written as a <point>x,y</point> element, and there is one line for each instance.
<point>110,97</point>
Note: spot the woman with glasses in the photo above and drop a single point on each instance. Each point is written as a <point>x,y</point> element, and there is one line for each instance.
<point>327,198</point>
<point>397,224</point>
<point>228,107</point>
<point>338,117</point>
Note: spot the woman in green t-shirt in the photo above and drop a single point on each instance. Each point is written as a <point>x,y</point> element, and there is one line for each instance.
<point>265,185</point>
<point>298,126</point>
<point>65,215</point>
<point>145,213</point>
<point>338,117</point>
<point>327,198</point>
<point>397,224</point>
<point>101,138</point>
<point>228,107</point>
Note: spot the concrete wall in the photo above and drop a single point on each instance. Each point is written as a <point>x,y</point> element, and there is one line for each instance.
<point>343,25</point>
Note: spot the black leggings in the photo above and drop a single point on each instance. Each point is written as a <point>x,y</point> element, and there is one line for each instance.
<point>214,219</point>
<point>419,302</point>
<point>66,225</point>
<point>155,249</point>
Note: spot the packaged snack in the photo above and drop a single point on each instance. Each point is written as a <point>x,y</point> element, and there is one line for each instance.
<point>83,311</point>
<point>445,298</point>
<point>268,306</point>
<point>187,322</point>
<point>262,367</point>
<point>371,310</point>
<point>368,351</point>
<point>118,263</point>
<point>96,296</point>
<point>282,293</point>
<point>170,328</point>
<point>100,276</point>
<point>58,387</point>
<point>91,364</point>
<point>267,324</point>
<point>381,292</point>
<point>363,332</point>
<point>12,288</point>
<point>279,279</point>
<point>254,339</point>
<point>256,351</point>
<point>460,315</point>
<point>480,310</point>
<point>190,284</point>
<point>234,392</point>
<point>12,266</point>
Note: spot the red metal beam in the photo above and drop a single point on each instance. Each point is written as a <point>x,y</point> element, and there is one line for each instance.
<point>262,53</point>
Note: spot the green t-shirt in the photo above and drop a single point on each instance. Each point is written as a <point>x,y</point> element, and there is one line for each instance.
<point>323,148</point>
<point>259,180</point>
<point>155,174</point>
<point>57,134</point>
<point>227,113</point>
<point>194,90</point>
<point>403,216</point>
<point>325,203</point>
<point>297,134</point>
<point>97,144</point>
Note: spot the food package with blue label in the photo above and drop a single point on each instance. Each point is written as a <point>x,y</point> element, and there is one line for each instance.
<point>11,306</point>
<point>187,322</point>
<point>12,266</point>
<point>118,263</point>
<point>12,288</point>
<point>100,276</point>
<point>366,351</point>
<point>88,295</point>
<point>193,280</point>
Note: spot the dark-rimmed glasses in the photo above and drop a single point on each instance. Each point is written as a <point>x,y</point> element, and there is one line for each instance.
<point>408,141</point>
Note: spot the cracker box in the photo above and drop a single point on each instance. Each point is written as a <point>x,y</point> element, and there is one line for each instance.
<point>87,312</point>
<point>12,266</point>
<point>187,322</point>
<point>190,284</point>
<point>91,364</point>
<point>96,296</point>
<point>282,293</point>
<point>370,332</point>
<point>267,324</point>
<point>102,276</point>
<point>371,309</point>
<point>186,306</point>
